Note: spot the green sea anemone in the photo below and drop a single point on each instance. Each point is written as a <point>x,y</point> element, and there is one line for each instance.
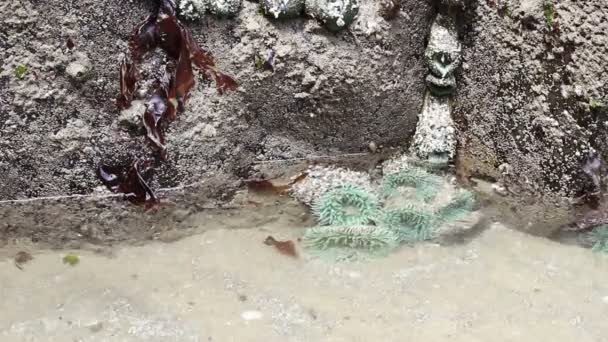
<point>599,236</point>
<point>363,238</point>
<point>425,184</point>
<point>410,223</point>
<point>461,205</point>
<point>347,205</point>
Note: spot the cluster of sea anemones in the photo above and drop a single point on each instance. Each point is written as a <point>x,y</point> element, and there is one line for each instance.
<point>404,208</point>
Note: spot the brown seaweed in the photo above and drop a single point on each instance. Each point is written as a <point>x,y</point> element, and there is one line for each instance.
<point>284,247</point>
<point>169,94</point>
<point>272,186</point>
<point>153,116</point>
<point>165,31</point>
<point>144,38</point>
<point>128,83</point>
<point>131,183</point>
<point>266,186</point>
<point>70,43</point>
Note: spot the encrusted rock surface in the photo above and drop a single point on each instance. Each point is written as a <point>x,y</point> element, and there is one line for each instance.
<point>336,15</point>
<point>320,179</point>
<point>435,134</point>
<point>283,9</point>
<point>329,93</point>
<point>525,92</point>
<point>443,56</point>
<point>529,95</point>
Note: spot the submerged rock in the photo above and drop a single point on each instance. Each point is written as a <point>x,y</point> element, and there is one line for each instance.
<point>335,14</point>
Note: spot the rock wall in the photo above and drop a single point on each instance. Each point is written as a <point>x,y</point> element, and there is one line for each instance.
<point>329,92</point>
<point>530,106</point>
<point>533,97</point>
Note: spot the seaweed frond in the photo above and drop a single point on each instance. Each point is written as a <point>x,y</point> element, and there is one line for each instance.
<point>71,259</point>
<point>347,205</point>
<point>364,238</point>
<point>20,71</point>
<point>549,13</point>
<point>461,205</point>
<point>425,184</point>
<point>409,222</point>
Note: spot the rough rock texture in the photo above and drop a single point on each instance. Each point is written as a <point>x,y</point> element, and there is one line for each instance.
<point>328,93</point>
<point>336,15</point>
<point>282,9</point>
<point>529,92</point>
<point>435,134</point>
<point>321,179</point>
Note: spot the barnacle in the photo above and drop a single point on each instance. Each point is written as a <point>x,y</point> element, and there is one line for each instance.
<point>224,8</point>
<point>426,185</point>
<point>411,223</point>
<point>599,237</point>
<point>347,205</point>
<point>364,238</point>
<point>282,9</point>
<point>192,9</point>
<point>335,14</point>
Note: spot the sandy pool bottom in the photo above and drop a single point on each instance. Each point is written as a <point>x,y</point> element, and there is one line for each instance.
<point>226,285</point>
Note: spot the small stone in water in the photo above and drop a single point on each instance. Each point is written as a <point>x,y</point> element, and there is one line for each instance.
<point>354,274</point>
<point>373,147</point>
<point>251,315</point>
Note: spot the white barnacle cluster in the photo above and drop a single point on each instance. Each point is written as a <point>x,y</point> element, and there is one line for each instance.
<point>435,132</point>
<point>335,14</point>
<point>320,179</point>
<point>282,9</point>
<point>191,9</point>
<point>435,135</point>
<point>195,9</point>
<point>224,8</point>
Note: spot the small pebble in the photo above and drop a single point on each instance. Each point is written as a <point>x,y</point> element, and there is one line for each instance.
<point>354,275</point>
<point>251,315</point>
<point>373,147</point>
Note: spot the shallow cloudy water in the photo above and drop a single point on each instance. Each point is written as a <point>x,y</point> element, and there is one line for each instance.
<point>227,285</point>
